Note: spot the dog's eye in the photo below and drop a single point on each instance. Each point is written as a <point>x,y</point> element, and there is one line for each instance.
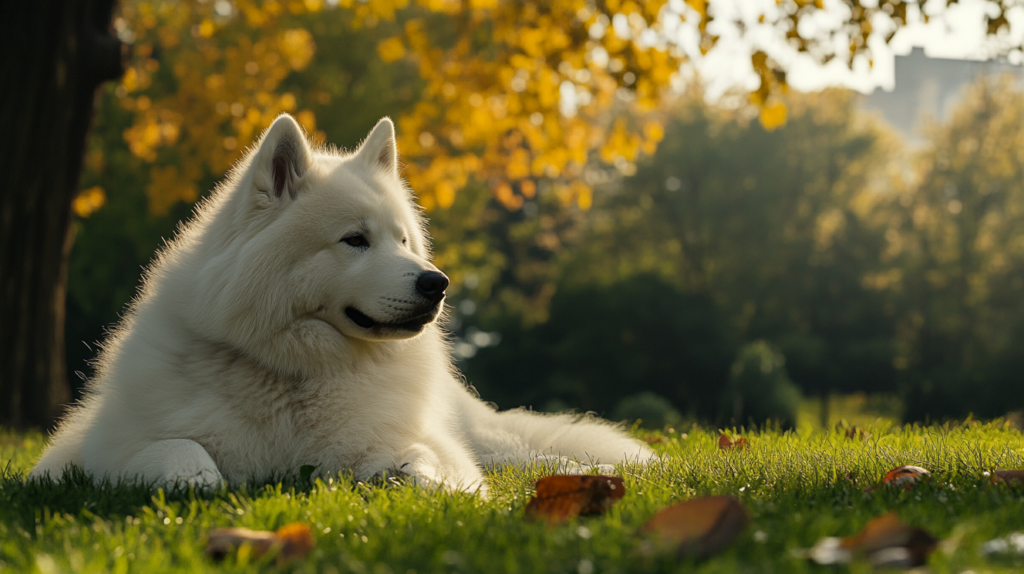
<point>404,241</point>
<point>357,240</point>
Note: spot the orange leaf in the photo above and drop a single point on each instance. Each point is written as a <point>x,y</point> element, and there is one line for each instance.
<point>561,497</point>
<point>885,542</point>
<point>699,527</point>
<point>290,541</point>
<point>725,443</point>
<point>908,475</point>
<point>885,533</point>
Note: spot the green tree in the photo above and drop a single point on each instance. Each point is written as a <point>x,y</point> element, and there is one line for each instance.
<point>783,230</point>
<point>957,261</point>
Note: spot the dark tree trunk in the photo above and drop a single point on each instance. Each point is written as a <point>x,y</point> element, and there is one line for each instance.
<point>55,54</point>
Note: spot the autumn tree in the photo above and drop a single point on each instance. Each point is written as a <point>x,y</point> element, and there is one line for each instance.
<point>514,102</point>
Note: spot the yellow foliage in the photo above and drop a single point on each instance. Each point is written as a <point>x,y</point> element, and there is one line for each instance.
<point>88,201</point>
<point>391,50</point>
<point>298,47</point>
<point>773,115</point>
<point>493,115</point>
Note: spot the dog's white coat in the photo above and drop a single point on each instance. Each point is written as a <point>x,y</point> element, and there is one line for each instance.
<point>237,360</point>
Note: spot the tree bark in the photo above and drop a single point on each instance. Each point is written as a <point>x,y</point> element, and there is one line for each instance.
<point>55,54</point>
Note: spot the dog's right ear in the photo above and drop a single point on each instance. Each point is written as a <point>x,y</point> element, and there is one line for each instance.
<point>282,158</point>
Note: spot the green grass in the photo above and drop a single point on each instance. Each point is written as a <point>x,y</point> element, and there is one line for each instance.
<point>794,486</point>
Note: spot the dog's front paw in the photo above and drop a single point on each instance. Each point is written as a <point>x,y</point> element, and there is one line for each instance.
<point>203,479</point>
<point>421,473</point>
<point>178,463</point>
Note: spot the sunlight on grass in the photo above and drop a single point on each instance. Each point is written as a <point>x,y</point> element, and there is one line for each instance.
<point>798,487</point>
<point>858,409</point>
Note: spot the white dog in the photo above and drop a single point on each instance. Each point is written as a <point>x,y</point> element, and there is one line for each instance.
<point>293,322</point>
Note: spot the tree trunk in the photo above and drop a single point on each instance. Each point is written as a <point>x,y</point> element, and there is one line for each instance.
<point>55,54</point>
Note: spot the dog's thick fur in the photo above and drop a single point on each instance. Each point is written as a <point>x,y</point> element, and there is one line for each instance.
<point>283,327</point>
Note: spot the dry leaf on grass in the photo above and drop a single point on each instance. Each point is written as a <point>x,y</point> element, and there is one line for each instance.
<point>699,527</point>
<point>857,433</point>
<point>654,439</point>
<point>561,497</point>
<point>290,541</point>
<point>905,476</point>
<point>1015,477</point>
<point>726,443</point>
<point>885,541</point>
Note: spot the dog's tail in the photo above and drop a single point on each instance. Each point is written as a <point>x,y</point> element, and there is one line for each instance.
<point>523,435</point>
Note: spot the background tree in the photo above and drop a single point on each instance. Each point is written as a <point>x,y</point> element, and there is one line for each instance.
<point>730,233</point>
<point>958,261</point>
<point>58,52</point>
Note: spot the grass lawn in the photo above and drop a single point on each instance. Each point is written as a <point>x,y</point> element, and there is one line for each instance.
<point>794,485</point>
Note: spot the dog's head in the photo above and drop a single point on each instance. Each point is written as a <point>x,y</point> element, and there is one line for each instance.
<point>333,247</point>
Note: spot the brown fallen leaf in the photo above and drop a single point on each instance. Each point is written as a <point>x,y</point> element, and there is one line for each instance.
<point>653,439</point>
<point>1015,477</point>
<point>562,496</point>
<point>290,541</point>
<point>885,541</point>
<point>725,443</point>
<point>699,527</point>
<point>906,476</point>
<point>857,433</point>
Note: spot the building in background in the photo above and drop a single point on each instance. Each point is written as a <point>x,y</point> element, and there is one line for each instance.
<point>929,88</point>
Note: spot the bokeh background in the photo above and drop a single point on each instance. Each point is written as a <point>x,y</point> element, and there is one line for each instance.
<point>630,228</point>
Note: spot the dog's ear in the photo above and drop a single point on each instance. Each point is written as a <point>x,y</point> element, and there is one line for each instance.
<point>282,159</point>
<point>379,149</point>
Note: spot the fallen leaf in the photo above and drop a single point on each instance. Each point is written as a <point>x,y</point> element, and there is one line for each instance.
<point>290,541</point>
<point>857,433</point>
<point>885,541</point>
<point>906,476</point>
<point>561,496</point>
<point>699,527</point>
<point>1007,476</point>
<point>725,443</point>
<point>653,439</point>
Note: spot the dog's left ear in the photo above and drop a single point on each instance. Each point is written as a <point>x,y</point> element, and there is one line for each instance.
<point>379,149</point>
<point>283,158</point>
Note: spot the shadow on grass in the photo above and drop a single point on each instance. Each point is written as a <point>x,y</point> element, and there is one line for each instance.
<point>24,499</point>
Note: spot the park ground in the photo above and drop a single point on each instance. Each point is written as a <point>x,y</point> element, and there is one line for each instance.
<point>798,487</point>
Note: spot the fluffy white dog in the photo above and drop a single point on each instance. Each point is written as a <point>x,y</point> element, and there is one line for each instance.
<point>292,322</point>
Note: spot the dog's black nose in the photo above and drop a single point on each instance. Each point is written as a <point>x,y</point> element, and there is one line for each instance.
<point>432,284</point>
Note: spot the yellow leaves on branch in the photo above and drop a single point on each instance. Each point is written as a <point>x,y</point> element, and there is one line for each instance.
<point>227,74</point>
<point>527,111</point>
<point>538,104</point>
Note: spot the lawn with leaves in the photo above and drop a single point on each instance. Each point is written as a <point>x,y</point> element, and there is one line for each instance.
<point>797,487</point>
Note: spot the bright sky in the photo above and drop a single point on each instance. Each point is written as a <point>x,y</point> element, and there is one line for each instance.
<point>956,32</point>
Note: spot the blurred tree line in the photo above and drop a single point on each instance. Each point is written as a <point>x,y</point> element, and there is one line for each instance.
<point>858,263</point>
<point>623,255</point>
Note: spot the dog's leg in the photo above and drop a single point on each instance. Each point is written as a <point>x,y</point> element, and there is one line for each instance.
<point>441,464</point>
<point>176,461</point>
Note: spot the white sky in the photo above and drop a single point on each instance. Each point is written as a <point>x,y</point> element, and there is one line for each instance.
<point>956,32</point>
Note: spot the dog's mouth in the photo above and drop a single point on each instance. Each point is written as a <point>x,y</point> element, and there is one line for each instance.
<point>413,324</point>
